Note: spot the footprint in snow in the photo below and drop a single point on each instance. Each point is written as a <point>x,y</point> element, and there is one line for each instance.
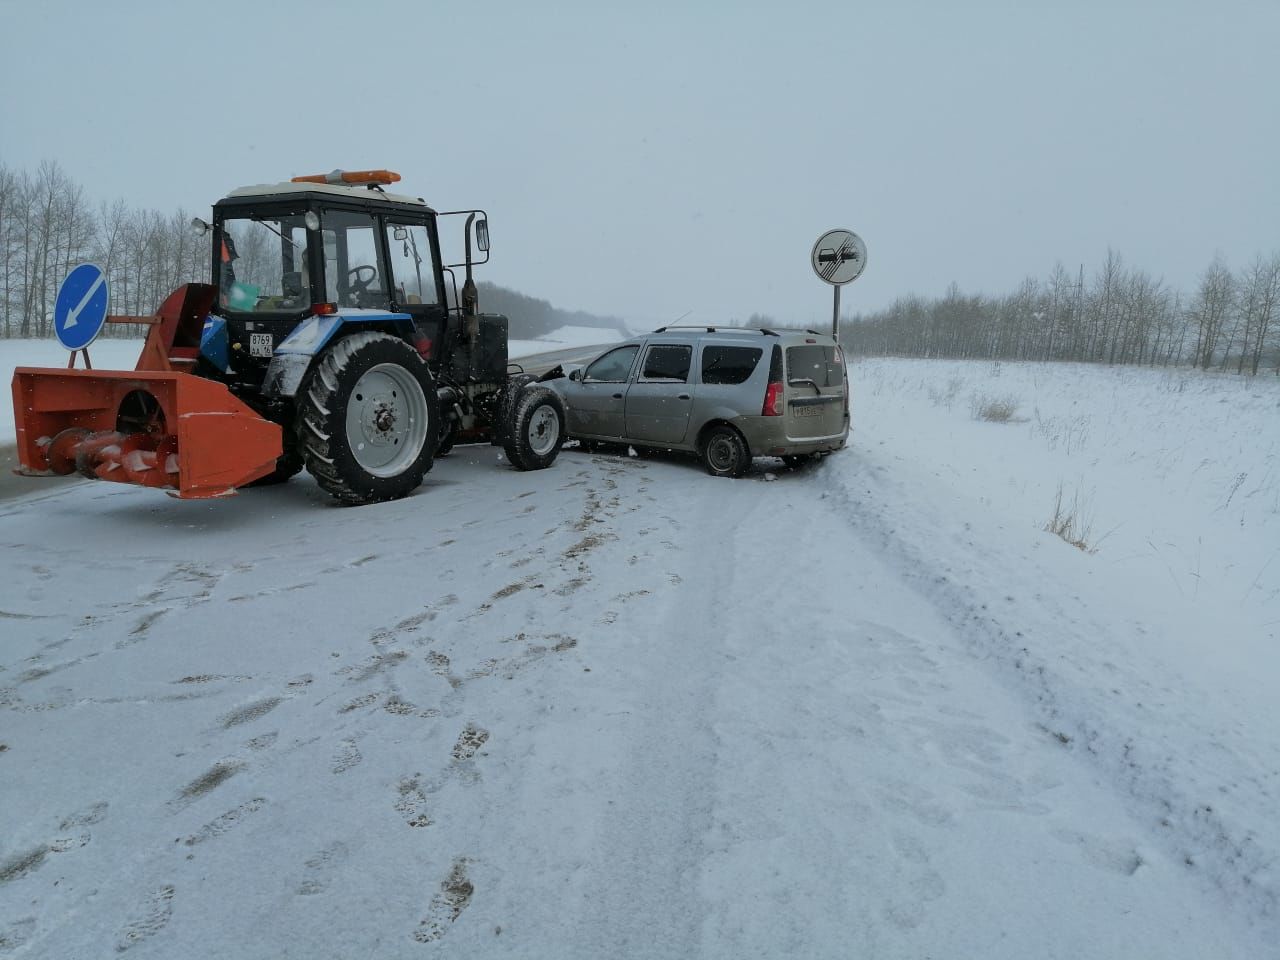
<point>321,868</point>
<point>153,916</point>
<point>455,893</point>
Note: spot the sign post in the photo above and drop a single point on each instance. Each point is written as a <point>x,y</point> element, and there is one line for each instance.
<point>80,309</point>
<point>839,257</point>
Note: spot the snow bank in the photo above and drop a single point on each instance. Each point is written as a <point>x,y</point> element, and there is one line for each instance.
<point>1149,648</point>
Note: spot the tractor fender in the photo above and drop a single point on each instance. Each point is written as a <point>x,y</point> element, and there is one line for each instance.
<point>293,355</point>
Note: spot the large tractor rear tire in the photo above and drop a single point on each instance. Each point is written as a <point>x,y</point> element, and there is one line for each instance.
<point>368,419</point>
<point>535,431</point>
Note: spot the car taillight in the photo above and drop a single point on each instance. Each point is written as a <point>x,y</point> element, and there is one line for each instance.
<point>773,400</point>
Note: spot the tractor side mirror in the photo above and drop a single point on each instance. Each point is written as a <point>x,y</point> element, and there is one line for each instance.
<point>482,236</point>
<point>401,233</point>
<point>199,227</point>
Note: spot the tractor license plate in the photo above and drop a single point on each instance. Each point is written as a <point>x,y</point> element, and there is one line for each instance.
<point>260,345</point>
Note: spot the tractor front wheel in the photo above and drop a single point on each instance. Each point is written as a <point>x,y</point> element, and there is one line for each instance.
<point>535,431</point>
<point>368,419</point>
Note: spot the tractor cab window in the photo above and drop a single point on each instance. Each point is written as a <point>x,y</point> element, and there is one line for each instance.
<point>262,264</point>
<point>353,274</point>
<point>413,278</point>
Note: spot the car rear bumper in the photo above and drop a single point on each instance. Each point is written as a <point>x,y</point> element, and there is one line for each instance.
<point>767,437</point>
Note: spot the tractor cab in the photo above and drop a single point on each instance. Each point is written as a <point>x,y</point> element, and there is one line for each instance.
<point>326,245</point>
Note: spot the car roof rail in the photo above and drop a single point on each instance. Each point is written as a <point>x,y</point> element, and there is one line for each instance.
<point>697,326</point>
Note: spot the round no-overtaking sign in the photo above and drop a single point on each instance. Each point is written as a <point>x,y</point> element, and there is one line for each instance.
<point>839,257</point>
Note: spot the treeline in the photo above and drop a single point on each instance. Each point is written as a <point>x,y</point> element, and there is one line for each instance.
<point>48,225</point>
<point>1118,315</point>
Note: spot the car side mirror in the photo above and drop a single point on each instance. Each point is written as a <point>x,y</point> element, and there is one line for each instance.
<point>575,375</point>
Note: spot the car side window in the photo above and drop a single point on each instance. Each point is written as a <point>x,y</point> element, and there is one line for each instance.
<point>667,363</point>
<point>729,365</point>
<point>613,367</point>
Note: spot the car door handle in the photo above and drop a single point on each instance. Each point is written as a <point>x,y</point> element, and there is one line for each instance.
<point>617,396</point>
<point>684,396</point>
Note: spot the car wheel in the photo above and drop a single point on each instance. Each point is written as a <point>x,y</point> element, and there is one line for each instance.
<point>724,453</point>
<point>368,418</point>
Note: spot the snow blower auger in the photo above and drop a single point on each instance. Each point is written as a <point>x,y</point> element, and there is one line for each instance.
<point>325,340</point>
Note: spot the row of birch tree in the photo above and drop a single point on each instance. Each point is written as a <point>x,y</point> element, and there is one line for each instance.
<point>48,226</point>
<point>1119,314</point>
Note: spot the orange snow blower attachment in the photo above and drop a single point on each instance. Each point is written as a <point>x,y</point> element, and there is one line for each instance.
<point>156,426</point>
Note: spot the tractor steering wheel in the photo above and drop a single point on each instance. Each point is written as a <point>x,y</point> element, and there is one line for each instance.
<point>357,283</point>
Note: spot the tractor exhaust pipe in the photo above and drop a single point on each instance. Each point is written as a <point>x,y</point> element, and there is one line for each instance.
<point>470,297</point>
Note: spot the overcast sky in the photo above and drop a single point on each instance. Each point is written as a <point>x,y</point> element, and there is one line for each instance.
<point>652,160</point>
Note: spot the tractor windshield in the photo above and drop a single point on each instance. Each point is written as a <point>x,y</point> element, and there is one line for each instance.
<point>262,264</point>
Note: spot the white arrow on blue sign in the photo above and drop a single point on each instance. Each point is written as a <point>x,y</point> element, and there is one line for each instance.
<point>81,307</point>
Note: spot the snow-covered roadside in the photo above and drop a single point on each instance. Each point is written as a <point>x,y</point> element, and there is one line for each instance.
<point>1153,654</point>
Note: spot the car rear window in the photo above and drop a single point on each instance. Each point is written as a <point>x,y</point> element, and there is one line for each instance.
<point>729,364</point>
<point>821,364</point>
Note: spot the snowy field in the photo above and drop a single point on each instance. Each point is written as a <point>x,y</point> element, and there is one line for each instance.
<point>621,709</point>
<point>123,355</point>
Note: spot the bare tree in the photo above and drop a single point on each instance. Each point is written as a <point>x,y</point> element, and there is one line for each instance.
<point>1211,308</point>
<point>1259,293</point>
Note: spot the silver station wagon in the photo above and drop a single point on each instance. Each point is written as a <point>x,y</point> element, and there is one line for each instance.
<point>726,394</point>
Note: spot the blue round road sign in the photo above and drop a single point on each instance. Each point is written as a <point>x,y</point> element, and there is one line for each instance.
<point>81,307</point>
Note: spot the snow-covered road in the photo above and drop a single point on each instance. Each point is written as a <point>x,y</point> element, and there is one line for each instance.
<point>612,709</point>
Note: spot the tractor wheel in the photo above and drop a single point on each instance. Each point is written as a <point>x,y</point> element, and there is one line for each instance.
<point>367,419</point>
<point>511,391</point>
<point>535,432</point>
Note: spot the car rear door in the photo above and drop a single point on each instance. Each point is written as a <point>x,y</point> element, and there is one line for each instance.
<point>659,401</point>
<point>815,378</point>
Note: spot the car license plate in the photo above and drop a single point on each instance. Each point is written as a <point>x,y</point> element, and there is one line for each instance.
<point>810,410</point>
<point>260,345</point>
